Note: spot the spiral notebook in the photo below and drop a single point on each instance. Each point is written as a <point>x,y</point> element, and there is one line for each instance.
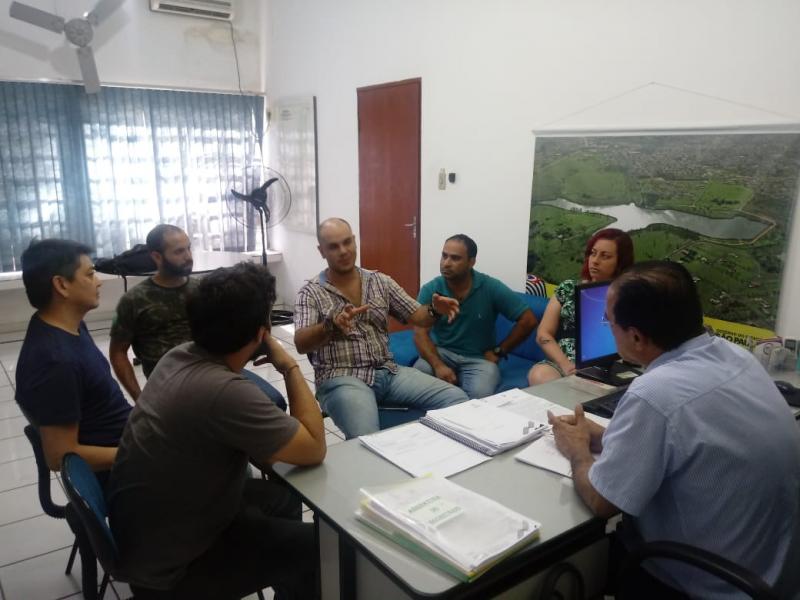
<point>486,428</point>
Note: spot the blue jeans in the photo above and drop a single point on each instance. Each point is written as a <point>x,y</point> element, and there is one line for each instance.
<point>478,377</point>
<point>353,405</point>
<point>265,387</point>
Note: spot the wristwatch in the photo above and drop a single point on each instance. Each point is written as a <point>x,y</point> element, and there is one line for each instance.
<point>327,324</point>
<point>432,312</point>
<point>499,352</point>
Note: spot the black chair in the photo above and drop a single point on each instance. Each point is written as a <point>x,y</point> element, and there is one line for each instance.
<point>736,575</point>
<point>87,513</point>
<point>49,507</point>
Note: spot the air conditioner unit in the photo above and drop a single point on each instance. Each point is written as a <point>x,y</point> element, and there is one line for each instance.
<point>206,9</point>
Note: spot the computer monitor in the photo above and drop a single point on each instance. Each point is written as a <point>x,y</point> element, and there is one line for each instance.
<point>595,347</point>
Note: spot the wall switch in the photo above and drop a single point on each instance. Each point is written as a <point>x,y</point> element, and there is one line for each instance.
<point>442,179</point>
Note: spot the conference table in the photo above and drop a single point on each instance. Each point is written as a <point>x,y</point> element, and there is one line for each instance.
<point>356,562</point>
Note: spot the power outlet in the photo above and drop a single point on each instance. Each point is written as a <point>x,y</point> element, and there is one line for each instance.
<point>442,179</point>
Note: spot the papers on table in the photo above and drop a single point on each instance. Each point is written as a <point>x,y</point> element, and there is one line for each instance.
<point>420,450</point>
<point>484,426</point>
<point>542,452</point>
<point>534,407</point>
<point>456,529</point>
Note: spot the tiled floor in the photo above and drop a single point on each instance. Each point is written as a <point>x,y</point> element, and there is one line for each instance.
<point>34,547</point>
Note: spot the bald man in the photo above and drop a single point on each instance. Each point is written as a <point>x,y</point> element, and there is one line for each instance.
<point>341,320</point>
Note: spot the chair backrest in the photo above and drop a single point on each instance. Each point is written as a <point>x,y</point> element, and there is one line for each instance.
<point>528,349</point>
<point>86,497</point>
<point>736,575</point>
<point>45,479</point>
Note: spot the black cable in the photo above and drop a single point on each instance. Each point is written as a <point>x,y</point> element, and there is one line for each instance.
<point>236,58</point>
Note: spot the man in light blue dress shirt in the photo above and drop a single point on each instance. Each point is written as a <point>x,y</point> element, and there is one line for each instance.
<point>702,449</point>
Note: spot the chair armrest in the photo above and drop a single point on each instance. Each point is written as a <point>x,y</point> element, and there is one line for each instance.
<point>736,575</point>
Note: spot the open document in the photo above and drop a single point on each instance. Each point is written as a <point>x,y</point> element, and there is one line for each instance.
<point>456,529</point>
<point>420,450</point>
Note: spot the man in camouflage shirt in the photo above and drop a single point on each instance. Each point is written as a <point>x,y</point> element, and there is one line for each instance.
<point>151,316</point>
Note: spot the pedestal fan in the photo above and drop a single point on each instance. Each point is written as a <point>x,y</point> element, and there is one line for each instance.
<point>272,200</point>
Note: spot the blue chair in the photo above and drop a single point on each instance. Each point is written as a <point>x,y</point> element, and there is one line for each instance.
<point>87,509</point>
<point>513,370</point>
<point>49,507</point>
<point>87,514</point>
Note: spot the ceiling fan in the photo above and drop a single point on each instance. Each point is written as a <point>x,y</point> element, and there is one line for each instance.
<point>78,31</point>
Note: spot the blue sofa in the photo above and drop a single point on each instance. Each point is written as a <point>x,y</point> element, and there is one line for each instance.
<point>513,371</point>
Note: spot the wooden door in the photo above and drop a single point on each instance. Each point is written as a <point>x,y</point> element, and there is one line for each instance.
<point>389,180</point>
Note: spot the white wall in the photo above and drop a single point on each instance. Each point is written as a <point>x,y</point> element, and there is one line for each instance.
<point>494,71</point>
<point>138,47</point>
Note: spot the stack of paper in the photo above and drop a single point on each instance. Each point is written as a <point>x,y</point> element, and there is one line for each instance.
<point>534,407</point>
<point>486,428</point>
<point>459,531</point>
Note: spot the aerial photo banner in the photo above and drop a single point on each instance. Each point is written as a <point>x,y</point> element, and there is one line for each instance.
<point>719,203</point>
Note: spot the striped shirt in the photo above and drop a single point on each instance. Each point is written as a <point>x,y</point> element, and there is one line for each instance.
<point>366,347</point>
<point>703,450</point>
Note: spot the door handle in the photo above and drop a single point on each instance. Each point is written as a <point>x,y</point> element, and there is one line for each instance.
<point>413,227</point>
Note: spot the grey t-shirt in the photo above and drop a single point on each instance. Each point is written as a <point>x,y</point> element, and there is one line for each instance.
<point>179,473</point>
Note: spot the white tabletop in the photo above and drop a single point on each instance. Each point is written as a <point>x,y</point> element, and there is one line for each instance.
<point>332,490</point>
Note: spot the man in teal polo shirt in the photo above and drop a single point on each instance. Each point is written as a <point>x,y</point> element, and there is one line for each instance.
<point>465,352</point>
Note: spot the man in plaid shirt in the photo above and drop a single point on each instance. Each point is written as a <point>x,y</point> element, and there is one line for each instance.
<point>342,322</point>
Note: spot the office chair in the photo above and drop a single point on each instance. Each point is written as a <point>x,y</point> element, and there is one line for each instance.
<point>49,507</point>
<point>87,513</point>
<point>734,574</point>
<point>87,509</point>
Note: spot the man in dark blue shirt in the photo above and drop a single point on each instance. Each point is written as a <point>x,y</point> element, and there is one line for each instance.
<point>64,383</point>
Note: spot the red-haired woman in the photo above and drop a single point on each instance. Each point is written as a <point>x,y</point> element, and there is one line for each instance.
<point>608,252</point>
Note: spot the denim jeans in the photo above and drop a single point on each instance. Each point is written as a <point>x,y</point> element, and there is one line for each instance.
<point>353,405</point>
<point>265,387</point>
<point>478,377</point>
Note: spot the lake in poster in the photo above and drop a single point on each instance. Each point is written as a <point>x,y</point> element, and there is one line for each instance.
<point>721,204</point>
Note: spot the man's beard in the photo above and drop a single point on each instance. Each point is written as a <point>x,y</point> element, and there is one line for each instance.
<point>178,270</point>
<point>453,277</point>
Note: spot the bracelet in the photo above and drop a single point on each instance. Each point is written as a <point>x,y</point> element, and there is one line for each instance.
<point>286,372</point>
<point>432,312</point>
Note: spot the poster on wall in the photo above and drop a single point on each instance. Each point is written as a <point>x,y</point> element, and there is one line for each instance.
<point>719,203</point>
<point>293,153</point>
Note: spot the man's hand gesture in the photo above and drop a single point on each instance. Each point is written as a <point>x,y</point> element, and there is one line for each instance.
<point>445,306</point>
<point>344,320</point>
<point>575,435</point>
